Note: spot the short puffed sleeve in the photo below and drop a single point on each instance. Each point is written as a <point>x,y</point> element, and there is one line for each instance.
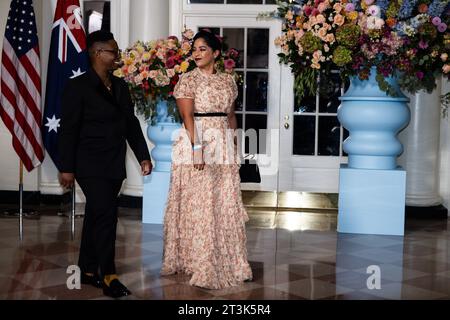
<point>185,87</point>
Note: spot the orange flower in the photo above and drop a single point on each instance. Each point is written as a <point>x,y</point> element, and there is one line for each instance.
<point>339,19</point>
<point>352,15</point>
<point>391,22</point>
<point>423,8</point>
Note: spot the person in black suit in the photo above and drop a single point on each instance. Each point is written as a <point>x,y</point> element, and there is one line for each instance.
<point>97,119</point>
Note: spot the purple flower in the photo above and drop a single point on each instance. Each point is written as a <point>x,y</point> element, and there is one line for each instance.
<point>419,75</point>
<point>436,21</point>
<point>423,44</point>
<point>349,7</point>
<point>442,27</point>
<point>374,10</point>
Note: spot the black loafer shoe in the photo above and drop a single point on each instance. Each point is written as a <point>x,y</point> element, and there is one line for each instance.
<point>92,280</point>
<point>115,289</point>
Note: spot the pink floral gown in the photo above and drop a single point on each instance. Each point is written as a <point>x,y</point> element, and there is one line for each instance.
<point>204,222</point>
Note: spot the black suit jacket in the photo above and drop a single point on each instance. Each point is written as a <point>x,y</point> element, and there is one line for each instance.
<point>95,126</point>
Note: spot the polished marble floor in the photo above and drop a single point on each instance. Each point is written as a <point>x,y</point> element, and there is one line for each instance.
<point>293,254</point>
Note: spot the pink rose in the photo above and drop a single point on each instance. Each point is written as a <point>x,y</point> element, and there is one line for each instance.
<point>322,33</point>
<point>321,7</point>
<point>189,34</point>
<point>339,20</point>
<point>233,53</point>
<point>329,38</point>
<point>320,18</point>
<point>229,64</point>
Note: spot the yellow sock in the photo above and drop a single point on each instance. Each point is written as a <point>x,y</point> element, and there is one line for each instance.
<point>110,277</point>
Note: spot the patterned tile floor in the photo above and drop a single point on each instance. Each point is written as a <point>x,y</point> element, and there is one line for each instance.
<point>294,255</point>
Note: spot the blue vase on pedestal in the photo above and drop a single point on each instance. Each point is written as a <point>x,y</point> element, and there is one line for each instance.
<point>372,186</point>
<point>373,120</point>
<point>156,186</point>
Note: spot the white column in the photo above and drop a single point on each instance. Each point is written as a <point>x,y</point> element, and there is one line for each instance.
<point>176,17</point>
<point>120,21</point>
<point>421,144</point>
<point>149,20</point>
<point>444,175</point>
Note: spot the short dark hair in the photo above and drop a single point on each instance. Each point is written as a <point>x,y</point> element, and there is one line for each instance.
<point>211,40</point>
<point>98,36</point>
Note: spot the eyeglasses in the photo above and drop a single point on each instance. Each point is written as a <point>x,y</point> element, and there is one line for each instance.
<point>117,53</point>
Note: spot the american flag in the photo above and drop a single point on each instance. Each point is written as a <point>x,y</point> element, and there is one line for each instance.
<point>20,94</point>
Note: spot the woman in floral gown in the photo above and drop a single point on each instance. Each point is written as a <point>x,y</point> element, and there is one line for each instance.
<point>204,223</point>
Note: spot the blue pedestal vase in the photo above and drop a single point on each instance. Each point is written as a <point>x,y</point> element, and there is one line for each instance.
<point>156,186</point>
<point>373,120</point>
<point>372,186</point>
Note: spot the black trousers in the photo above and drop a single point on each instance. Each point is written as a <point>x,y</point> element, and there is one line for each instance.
<point>98,239</point>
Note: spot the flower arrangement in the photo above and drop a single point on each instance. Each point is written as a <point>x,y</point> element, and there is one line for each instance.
<point>406,39</point>
<point>152,69</point>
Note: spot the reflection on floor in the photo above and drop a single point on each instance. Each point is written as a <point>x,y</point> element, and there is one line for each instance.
<point>290,200</point>
<point>294,255</point>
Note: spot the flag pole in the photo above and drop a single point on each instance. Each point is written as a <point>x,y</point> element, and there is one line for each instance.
<point>73,211</point>
<point>21,201</point>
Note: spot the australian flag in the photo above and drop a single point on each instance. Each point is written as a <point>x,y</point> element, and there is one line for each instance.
<point>68,59</point>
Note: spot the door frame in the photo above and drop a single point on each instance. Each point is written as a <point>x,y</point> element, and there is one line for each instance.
<point>298,172</point>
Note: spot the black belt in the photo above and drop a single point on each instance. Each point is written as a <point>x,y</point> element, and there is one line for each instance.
<point>211,114</point>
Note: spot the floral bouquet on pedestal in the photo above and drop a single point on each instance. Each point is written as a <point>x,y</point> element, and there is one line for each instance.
<point>405,39</point>
<point>152,69</point>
